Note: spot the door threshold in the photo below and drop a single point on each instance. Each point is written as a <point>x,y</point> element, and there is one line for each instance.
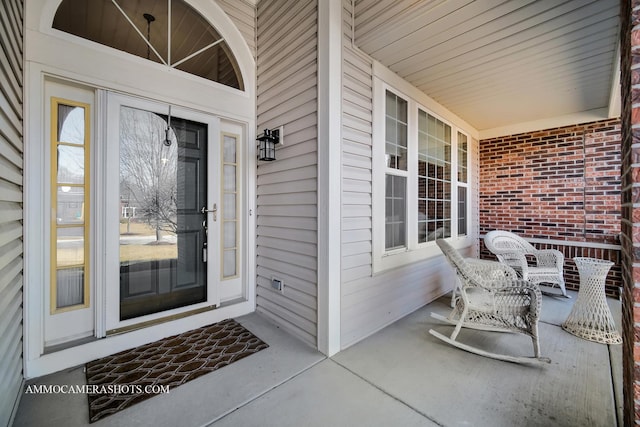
<point>73,343</point>
<point>165,319</point>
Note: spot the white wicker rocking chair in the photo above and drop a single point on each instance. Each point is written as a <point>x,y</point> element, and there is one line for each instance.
<point>491,298</point>
<point>512,250</point>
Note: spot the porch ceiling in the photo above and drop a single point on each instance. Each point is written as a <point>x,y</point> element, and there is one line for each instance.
<point>498,64</point>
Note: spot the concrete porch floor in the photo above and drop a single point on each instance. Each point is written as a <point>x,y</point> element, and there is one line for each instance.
<point>400,376</point>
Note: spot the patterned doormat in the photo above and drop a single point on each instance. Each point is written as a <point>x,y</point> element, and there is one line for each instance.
<point>131,376</point>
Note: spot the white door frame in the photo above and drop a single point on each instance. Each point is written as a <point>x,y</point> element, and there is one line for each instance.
<point>53,54</point>
<point>36,363</point>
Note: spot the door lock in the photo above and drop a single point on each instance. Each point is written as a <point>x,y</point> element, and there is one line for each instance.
<point>213,210</point>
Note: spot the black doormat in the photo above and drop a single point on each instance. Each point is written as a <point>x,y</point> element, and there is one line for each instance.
<point>131,376</point>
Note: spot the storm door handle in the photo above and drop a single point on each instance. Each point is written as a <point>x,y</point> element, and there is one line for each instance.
<point>214,211</point>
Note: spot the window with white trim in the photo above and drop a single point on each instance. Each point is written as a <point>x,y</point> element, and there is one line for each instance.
<point>463,184</point>
<point>396,175</point>
<point>175,35</point>
<point>420,179</point>
<point>434,178</point>
<point>69,200</point>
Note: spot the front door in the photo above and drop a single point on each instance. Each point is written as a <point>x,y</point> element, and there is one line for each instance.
<point>163,192</point>
<point>167,224</point>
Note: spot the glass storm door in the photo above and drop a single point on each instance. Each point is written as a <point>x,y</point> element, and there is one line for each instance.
<point>164,257</point>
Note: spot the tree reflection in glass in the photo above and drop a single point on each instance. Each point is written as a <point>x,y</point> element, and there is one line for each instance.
<point>148,169</point>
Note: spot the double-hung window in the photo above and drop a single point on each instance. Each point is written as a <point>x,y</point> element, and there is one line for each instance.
<point>396,174</point>
<point>434,178</point>
<point>463,184</point>
<point>420,180</point>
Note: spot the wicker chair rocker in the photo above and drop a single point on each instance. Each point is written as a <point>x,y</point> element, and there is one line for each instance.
<point>491,298</point>
<point>512,250</point>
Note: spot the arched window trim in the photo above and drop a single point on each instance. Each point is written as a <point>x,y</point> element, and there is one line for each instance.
<point>236,47</point>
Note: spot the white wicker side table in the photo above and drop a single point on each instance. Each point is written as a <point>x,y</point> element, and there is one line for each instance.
<point>590,316</point>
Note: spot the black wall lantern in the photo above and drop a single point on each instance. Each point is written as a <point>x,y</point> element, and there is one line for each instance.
<point>267,144</point>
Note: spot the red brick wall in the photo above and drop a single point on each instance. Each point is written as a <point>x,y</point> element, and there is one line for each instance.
<point>561,183</point>
<point>630,238</point>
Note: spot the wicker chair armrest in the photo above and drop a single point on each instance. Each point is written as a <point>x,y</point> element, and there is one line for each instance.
<point>491,269</point>
<point>528,293</point>
<point>549,258</point>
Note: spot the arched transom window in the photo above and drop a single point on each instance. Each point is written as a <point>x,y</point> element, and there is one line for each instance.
<point>168,32</point>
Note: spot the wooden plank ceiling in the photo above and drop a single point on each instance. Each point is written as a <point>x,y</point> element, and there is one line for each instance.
<point>497,63</point>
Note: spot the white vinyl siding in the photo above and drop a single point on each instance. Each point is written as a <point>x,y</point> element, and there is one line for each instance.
<point>287,187</point>
<point>11,214</point>
<point>243,15</point>
<point>356,160</point>
<point>368,302</point>
<point>372,300</point>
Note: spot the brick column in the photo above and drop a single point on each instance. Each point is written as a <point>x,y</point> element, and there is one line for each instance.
<point>630,175</point>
